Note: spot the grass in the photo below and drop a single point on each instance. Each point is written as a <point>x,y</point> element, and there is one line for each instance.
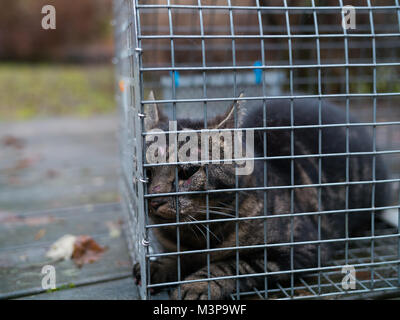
<point>28,91</point>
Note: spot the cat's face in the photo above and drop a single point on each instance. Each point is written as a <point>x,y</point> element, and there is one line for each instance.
<point>189,178</point>
<point>186,178</point>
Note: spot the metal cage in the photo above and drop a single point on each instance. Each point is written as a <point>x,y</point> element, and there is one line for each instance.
<point>199,55</point>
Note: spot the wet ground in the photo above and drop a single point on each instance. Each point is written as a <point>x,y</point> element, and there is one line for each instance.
<point>57,177</point>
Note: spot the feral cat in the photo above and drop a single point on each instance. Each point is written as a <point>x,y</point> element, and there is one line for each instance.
<point>320,185</point>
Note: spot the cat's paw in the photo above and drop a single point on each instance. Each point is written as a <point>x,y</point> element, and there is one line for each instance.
<point>161,271</point>
<point>136,274</point>
<point>198,291</point>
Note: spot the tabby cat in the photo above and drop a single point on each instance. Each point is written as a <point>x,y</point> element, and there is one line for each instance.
<point>308,196</point>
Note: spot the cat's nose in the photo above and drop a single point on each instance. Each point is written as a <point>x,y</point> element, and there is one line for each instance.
<point>156,203</point>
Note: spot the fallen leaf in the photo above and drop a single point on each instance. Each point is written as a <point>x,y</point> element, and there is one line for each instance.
<point>9,217</point>
<point>38,221</point>
<point>40,234</point>
<point>52,173</point>
<point>63,248</point>
<point>86,250</point>
<point>24,163</point>
<point>11,141</point>
<point>12,218</point>
<point>14,181</point>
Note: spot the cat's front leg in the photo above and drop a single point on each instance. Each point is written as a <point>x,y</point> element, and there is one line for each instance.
<point>199,290</point>
<point>219,289</point>
<point>165,269</point>
<point>161,270</point>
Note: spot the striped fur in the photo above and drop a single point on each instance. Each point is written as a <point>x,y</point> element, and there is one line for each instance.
<point>283,201</point>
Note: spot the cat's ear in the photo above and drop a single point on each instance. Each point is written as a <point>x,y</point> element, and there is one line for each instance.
<point>228,119</point>
<point>152,117</point>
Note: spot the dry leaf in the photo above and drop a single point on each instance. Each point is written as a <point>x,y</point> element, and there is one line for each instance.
<point>82,249</point>
<point>38,221</point>
<point>24,163</point>
<point>40,234</point>
<point>52,173</point>
<point>86,250</point>
<point>12,218</point>
<point>14,181</point>
<point>11,141</point>
<point>9,217</point>
<point>62,249</point>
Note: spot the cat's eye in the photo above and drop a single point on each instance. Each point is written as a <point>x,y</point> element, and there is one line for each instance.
<point>186,172</point>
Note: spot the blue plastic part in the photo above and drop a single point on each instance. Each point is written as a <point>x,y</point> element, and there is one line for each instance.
<point>258,72</point>
<point>176,78</point>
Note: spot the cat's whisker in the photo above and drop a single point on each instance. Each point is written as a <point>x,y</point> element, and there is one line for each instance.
<point>207,228</point>
<point>223,208</point>
<point>191,228</point>
<point>227,206</point>
<point>198,228</point>
<point>215,236</point>
<point>222,213</point>
<point>218,213</point>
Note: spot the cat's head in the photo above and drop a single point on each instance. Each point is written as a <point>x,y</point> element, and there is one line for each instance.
<point>188,177</point>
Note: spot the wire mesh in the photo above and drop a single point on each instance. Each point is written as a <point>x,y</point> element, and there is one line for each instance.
<point>198,57</point>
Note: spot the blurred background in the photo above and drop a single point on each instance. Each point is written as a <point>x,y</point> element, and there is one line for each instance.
<point>66,71</point>
<point>59,150</point>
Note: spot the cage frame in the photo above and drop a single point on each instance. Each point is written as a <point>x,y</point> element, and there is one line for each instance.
<point>133,185</point>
